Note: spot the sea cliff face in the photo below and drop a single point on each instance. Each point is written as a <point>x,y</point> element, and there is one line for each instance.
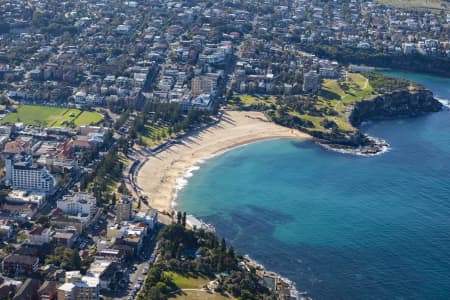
<point>411,102</point>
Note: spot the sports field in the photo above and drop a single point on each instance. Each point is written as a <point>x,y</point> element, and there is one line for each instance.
<point>52,116</point>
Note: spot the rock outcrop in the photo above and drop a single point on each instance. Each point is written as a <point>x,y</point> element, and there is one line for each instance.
<point>412,102</point>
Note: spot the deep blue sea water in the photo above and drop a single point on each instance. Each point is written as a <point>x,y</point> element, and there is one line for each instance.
<point>340,226</point>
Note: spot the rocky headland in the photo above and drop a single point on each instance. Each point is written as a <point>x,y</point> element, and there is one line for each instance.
<point>409,102</point>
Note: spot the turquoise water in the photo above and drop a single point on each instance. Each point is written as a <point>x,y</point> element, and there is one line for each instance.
<point>340,226</point>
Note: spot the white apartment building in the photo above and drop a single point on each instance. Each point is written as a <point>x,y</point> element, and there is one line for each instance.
<point>23,174</point>
<point>80,203</point>
<point>78,287</point>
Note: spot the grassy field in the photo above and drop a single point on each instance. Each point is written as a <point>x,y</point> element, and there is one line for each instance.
<point>200,295</point>
<point>52,116</point>
<point>192,282</point>
<point>188,282</point>
<point>154,135</point>
<point>247,101</point>
<point>355,88</point>
<point>418,4</point>
<point>337,96</point>
<point>87,117</point>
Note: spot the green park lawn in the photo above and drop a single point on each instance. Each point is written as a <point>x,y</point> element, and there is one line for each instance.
<point>154,134</point>
<point>337,95</point>
<point>193,282</point>
<point>188,282</point>
<point>246,101</point>
<point>47,116</point>
<point>200,295</point>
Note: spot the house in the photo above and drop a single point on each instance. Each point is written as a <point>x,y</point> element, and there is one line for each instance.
<point>104,270</point>
<point>22,197</point>
<point>28,290</point>
<point>6,232</point>
<point>150,217</point>
<point>114,255</point>
<point>80,97</point>
<point>8,288</point>
<point>23,211</point>
<point>20,264</point>
<point>40,235</point>
<point>65,238</point>
<point>47,291</point>
<point>203,101</point>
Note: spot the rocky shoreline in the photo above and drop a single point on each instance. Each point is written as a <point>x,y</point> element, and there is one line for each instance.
<point>374,147</point>
<point>414,101</point>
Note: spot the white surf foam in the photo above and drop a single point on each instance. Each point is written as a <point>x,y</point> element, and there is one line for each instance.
<point>444,102</point>
<point>182,181</point>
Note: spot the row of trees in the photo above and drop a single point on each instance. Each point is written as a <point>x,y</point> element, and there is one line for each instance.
<point>108,170</point>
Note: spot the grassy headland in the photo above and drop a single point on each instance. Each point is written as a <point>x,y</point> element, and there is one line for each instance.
<point>329,110</point>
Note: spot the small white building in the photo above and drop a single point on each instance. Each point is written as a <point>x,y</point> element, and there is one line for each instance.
<point>22,197</point>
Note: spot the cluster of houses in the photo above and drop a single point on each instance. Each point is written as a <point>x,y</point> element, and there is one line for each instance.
<point>268,68</point>
<point>75,216</point>
<point>102,64</point>
<point>39,162</point>
<point>370,25</point>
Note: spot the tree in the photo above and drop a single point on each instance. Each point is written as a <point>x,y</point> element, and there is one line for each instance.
<point>9,248</point>
<point>183,221</point>
<point>223,246</point>
<point>43,220</point>
<point>113,199</point>
<point>179,217</point>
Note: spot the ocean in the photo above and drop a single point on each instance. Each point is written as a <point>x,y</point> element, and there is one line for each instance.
<point>340,226</point>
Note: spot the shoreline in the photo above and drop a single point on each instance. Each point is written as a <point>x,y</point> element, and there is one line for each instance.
<point>182,181</point>
<point>168,169</point>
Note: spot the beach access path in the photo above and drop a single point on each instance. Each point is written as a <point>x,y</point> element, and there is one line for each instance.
<point>157,178</point>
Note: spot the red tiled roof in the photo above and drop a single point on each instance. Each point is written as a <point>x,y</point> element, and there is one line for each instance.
<point>37,230</point>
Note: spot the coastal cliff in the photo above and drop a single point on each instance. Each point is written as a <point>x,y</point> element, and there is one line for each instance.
<point>413,101</point>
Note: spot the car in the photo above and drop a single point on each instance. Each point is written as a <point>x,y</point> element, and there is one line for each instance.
<point>145,271</point>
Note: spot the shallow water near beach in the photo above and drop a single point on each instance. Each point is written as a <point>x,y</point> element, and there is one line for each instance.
<point>340,226</point>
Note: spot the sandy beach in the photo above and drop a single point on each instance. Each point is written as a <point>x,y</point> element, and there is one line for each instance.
<point>158,176</point>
